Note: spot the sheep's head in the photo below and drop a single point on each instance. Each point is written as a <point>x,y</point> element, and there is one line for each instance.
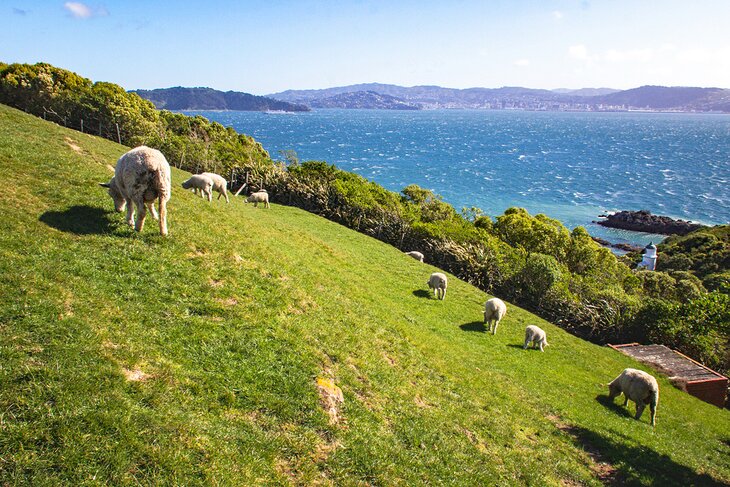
<point>614,390</point>
<point>120,203</point>
<point>187,184</point>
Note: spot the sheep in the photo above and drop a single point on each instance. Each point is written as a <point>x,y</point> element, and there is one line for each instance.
<point>438,283</point>
<point>219,184</point>
<point>537,336</point>
<point>416,255</point>
<point>142,175</point>
<point>202,183</point>
<point>260,196</point>
<point>638,386</point>
<point>494,311</point>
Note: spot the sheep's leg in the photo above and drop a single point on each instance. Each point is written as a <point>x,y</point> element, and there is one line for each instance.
<point>527,340</point>
<point>225,193</point>
<point>141,214</point>
<point>443,294</point>
<point>639,410</point>
<point>496,323</point>
<point>163,217</point>
<point>151,207</point>
<point>541,345</point>
<point>209,194</point>
<point>130,213</point>
<point>652,409</point>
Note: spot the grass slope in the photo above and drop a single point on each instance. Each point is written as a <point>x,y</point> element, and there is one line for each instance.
<point>132,359</point>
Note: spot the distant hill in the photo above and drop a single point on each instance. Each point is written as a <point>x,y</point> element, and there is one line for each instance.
<point>428,96</point>
<point>585,99</point>
<point>179,98</point>
<point>364,99</point>
<point>664,98</point>
<point>586,91</point>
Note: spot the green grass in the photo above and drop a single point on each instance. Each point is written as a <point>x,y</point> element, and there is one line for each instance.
<point>234,317</point>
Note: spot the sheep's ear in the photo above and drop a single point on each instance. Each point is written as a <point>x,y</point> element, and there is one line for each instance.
<point>104,185</point>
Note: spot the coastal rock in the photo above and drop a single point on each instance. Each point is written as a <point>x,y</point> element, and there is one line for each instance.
<point>644,221</point>
<point>626,247</point>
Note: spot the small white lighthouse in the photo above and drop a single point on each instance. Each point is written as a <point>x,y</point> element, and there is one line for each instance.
<point>649,257</point>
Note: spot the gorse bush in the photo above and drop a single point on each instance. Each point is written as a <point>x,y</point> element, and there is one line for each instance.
<point>531,260</point>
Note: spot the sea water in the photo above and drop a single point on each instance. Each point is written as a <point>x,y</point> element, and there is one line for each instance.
<point>569,166</point>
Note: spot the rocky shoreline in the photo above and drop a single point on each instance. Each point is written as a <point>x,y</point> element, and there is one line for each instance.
<point>644,221</point>
<point>625,247</point>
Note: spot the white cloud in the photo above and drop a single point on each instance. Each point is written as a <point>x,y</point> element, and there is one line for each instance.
<point>558,15</point>
<point>82,11</point>
<point>78,10</point>
<point>579,52</point>
<point>522,62</point>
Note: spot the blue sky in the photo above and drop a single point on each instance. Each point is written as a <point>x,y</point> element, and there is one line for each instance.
<point>264,47</point>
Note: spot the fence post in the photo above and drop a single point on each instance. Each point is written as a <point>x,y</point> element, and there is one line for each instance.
<point>119,137</point>
<point>82,125</point>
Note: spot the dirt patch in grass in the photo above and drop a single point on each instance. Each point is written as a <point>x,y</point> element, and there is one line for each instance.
<point>331,398</point>
<point>135,375</point>
<point>227,301</point>
<point>421,403</point>
<point>72,144</point>
<point>390,360</point>
<point>301,306</point>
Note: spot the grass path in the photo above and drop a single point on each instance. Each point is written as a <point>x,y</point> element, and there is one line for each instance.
<point>132,359</point>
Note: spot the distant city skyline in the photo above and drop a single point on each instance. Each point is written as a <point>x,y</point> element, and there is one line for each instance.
<point>264,47</point>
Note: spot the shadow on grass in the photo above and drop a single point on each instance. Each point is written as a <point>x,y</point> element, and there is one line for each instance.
<point>81,220</point>
<point>514,345</point>
<point>624,462</point>
<point>616,408</point>
<point>474,326</point>
<point>422,293</point>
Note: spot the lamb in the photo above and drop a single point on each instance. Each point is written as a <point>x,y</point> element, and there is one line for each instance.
<point>219,184</point>
<point>260,196</point>
<point>438,283</point>
<point>416,255</point>
<point>142,176</point>
<point>638,386</point>
<point>537,336</point>
<point>201,183</point>
<point>494,311</point>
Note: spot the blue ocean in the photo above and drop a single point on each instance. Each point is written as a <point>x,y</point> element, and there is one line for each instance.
<point>569,166</point>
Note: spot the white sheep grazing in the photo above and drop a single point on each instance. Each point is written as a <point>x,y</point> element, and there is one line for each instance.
<point>142,176</point>
<point>260,196</point>
<point>219,184</point>
<point>638,386</point>
<point>537,336</point>
<point>494,311</point>
<point>416,255</point>
<point>438,283</point>
<point>202,183</point>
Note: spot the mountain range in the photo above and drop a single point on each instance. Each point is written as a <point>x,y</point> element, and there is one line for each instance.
<point>685,99</point>
<point>179,98</point>
<point>394,97</point>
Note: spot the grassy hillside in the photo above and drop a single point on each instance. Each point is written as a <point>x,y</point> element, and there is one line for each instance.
<point>133,359</point>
